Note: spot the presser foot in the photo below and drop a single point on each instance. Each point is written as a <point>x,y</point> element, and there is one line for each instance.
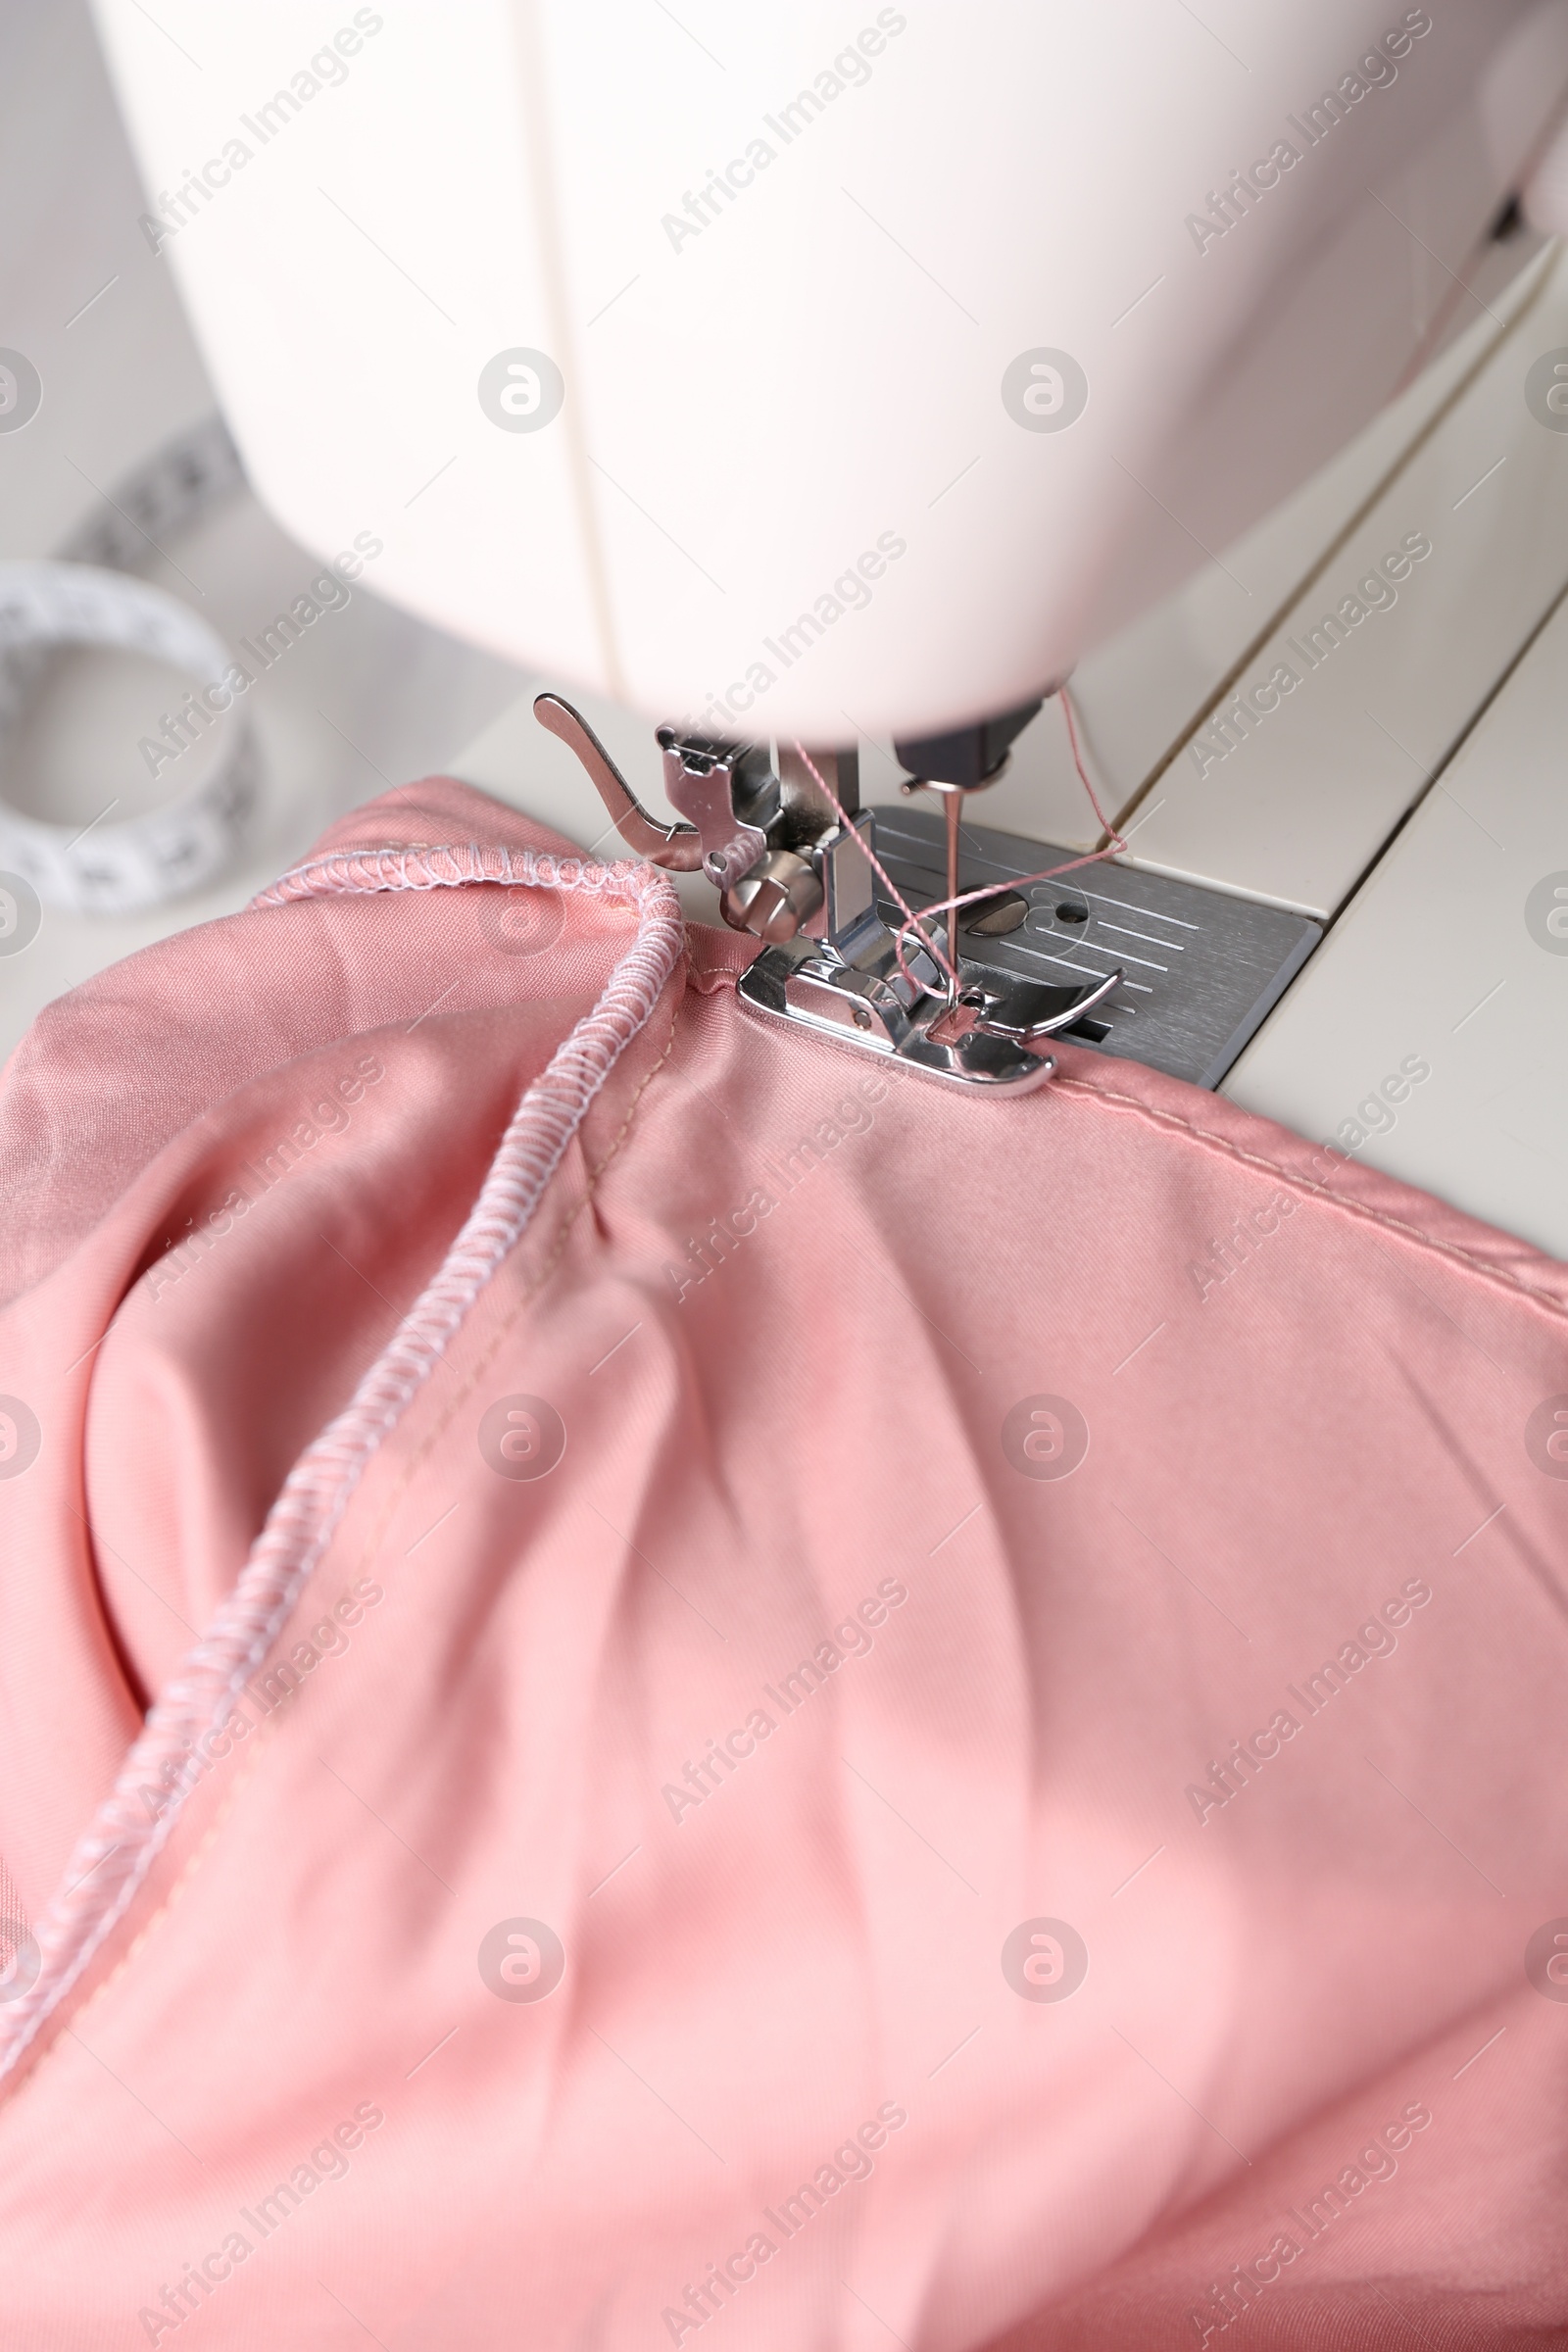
<point>992,1037</point>
<point>785,847</point>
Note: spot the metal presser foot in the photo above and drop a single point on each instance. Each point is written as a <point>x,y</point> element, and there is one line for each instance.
<point>776,848</point>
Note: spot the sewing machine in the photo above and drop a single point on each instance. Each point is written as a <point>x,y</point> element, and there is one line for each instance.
<point>832,390</point>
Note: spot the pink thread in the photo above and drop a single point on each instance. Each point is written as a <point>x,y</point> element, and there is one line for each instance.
<point>888,884</point>
<point>988,889</point>
<point>1106,827</point>
<point>113,1858</point>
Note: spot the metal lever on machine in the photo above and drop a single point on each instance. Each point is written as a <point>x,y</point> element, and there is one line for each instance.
<point>678,847</point>
<point>758,837</point>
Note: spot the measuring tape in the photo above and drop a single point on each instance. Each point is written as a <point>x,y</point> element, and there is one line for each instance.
<point>91,596</point>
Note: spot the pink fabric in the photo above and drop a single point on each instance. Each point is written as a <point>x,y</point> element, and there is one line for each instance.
<point>112,1860</point>
<point>1065,1442</point>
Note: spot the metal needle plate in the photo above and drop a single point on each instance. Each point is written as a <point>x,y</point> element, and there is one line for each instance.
<point>1201,968</point>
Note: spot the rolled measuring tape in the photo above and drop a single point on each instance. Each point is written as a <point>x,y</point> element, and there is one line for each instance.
<point>88,596</point>
<point>107,867</point>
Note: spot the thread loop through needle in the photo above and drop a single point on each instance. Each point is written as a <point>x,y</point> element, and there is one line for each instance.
<point>988,889</point>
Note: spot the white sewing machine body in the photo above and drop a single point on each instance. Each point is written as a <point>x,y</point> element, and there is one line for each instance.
<point>801,363</point>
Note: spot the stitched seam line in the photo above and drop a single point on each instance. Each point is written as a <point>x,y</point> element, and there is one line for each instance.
<point>317,1492</point>
<point>268,1729</point>
<point>1312,1185</point>
<point>531,1292</point>
<point>41,2051</point>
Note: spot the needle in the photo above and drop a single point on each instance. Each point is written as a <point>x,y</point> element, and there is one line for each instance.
<point>953,800</point>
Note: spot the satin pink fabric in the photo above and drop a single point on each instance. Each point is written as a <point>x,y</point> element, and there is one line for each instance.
<point>941,1722</point>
